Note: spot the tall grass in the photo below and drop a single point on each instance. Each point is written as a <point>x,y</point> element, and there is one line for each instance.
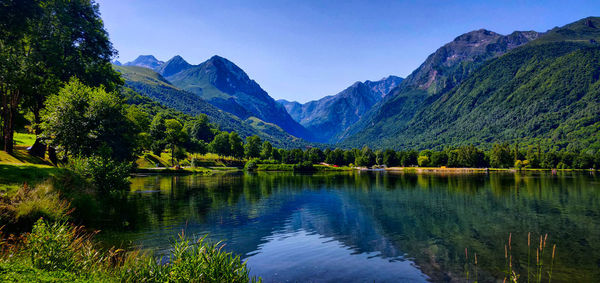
<point>62,252</point>
<point>540,269</point>
<point>190,261</point>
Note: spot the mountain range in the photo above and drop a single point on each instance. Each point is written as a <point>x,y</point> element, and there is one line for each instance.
<point>484,88</point>
<point>223,84</point>
<point>150,84</point>
<point>330,116</point>
<point>480,88</point>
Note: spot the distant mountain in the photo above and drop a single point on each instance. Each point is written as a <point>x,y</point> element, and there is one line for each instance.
<point>327,117</point>
<point>443,70</point>
<point>226,86</point>
<point>173,66</point>
<point>146,61</point>
<point>154,86</point>
<point>117,63</point>
<point>525,87</point>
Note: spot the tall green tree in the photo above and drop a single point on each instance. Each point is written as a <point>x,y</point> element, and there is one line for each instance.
<point>501,156</point>
<point>366,157</point>
<point>175,136</point>
<point>220,144</point>
<point>200,128</point>
<point>252,147</point>
<point>49,42</point>
<point>83,121</point>
<point>236,144</point>
<point>266,150</point>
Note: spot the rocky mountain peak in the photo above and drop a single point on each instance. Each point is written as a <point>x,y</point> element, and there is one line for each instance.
<point>146,61</point>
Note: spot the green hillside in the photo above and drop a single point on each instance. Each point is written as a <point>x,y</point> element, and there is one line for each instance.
<point>547,92</point>
<point>152,85</point>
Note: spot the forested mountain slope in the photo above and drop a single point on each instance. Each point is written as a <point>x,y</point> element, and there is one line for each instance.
<point>546,91</point>
<point>226,86</point>
<point>152,85</point>
<point>441,71</point>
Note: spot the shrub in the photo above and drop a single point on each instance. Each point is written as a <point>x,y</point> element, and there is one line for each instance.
<point>305,166</point>
<point>251,165</point>
<point>197,261</point>
<point>59,246</point>
<point>106,174</point>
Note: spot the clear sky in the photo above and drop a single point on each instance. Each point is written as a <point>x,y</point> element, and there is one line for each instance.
<point>303,50</point>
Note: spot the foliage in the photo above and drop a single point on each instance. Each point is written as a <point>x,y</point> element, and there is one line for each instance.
<point>44,44</point>
<point>544,92</point>
<point>220,145</point>
<point>105,174</point>
<point>191,261</point>
<point>305,166</point>
<point>252,148</point>
<point>82,120</point>
<point>236,145</point>
<point>251,165</point>
<point>366,157</point>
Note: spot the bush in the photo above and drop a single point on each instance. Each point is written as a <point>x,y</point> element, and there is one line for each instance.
<point>28,204</point>
<point>305,166</point>
<point>197,261</point>
<point>251,165</point>
<point>58,246</point>
<point>106,174</point>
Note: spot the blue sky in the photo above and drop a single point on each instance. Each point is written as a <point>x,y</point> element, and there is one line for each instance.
<point>304,50</point>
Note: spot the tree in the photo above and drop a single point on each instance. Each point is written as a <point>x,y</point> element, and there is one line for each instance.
<point>47,43</point>
<point>335,156</point>
<point>315,155</point>
<point>82,120</point>
<point>501,157</point>
<point>266,150</point>
<point>390,158</point>
<point>158,133</point>
<point>200,129</point>
<point>276,155</point>
<point>379,157</point>
<point>174,137</point>
<point>439,158</point>
<point>236,144</point>
<point>423,160</point>
<point>366,157</point>
<point>252,148</point>
<point>220,144</point>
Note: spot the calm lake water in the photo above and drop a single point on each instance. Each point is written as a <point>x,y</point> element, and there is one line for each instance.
<point>373,226</point>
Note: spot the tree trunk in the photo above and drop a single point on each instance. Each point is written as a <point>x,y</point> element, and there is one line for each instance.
<point>9,106</point>
<point>38,148</point>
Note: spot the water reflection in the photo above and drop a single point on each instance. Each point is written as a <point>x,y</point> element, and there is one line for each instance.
<point>366,227</point>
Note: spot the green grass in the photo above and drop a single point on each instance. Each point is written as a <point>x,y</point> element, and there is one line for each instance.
<point>55,252</point>
<point>275,167</point>
<point>13,177</point>
<point>21,156</point>
<point>24,139</point>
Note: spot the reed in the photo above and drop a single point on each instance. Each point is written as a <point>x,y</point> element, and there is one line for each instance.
<point>511,272</point>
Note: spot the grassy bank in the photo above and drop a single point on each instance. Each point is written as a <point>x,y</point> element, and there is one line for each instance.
<point>60,252</point>
<point>290,167</point>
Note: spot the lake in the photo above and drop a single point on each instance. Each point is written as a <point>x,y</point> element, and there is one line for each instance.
<point>372,226</point>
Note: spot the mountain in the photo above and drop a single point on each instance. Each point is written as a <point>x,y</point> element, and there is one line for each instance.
<point>444,69</point>
<point>154,86</point>
<point>117,63</point>
<point>543,88</point>
<point>146,61</point>
<point>224,85</point>
<point>331,115</point>
<point>173,66</point>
